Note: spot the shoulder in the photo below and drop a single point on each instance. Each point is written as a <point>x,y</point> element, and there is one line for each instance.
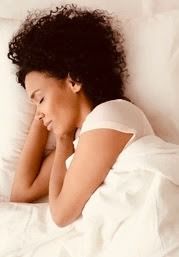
<point>112,113</point>
<point>113,107</point>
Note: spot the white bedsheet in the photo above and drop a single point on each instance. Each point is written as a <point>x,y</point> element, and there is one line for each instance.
<point>133,214</point>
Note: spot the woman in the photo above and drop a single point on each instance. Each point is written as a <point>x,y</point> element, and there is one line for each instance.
<point>71,64</point>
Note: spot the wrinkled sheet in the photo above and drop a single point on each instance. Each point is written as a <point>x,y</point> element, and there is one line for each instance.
<point>134,213</point>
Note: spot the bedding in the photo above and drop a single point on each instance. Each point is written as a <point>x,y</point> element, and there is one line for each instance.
<point>134,213</point>
<point>152,84</point>
<point>19,11</point>
<point>152,50</point>
<point>16,113</point>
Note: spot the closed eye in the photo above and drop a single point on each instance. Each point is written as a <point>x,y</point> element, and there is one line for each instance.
<point>41,100</point>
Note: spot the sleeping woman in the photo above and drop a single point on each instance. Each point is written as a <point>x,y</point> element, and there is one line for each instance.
<point>71,63</point>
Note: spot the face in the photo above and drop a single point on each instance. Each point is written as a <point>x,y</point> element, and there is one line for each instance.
<point>59,101</point>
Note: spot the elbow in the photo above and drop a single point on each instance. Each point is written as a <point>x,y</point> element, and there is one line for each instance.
<point>20,197</point>
<point>61,219</point>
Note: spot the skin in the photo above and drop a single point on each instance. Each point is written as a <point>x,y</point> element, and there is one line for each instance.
<point>66,105</point>
<point>62,102</point>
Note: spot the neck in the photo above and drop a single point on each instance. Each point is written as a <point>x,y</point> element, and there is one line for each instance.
<point>84,110</point>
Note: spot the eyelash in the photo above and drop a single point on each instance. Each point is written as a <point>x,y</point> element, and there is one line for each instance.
<point>41,100</point>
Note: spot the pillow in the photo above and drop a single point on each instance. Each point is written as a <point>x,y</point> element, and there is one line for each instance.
<point>157,6</point>
<point>152,49</point>
<point>127,8</point>
<point>9,9</point>
<point>16,113</point>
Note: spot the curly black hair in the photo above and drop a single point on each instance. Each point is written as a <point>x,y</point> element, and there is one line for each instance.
<point>72,41</point>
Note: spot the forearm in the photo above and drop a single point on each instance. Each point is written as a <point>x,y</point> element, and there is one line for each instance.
<point>58,173</point>
<point>31,157</point>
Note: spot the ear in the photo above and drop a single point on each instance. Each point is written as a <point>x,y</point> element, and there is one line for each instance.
<point>74,86</point>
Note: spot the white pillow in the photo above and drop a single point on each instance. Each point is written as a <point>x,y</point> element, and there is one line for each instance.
<point>16,112</point>
<point>135,8</point>
<point>158,6</point>
<point>127,8</point>
<point>152,48</point>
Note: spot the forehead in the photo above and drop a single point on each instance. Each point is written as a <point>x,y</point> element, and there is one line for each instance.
<point>35,79</point>
<point>43,82</point>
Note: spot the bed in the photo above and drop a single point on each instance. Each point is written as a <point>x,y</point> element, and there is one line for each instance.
<point>135,212</point>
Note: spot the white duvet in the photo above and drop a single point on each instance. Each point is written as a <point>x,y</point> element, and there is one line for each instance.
<point>135,213</point>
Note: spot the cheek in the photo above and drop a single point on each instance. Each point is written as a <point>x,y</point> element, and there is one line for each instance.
<point>61,111</point>
<point>50,105</point>
<point>66,119</point>
<point>53,111</point>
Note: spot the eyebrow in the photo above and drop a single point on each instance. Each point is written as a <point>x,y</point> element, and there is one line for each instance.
<point>33,93</point>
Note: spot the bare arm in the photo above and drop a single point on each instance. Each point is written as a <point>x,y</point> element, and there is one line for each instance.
<point>29,184</point>
<point>69,190</point>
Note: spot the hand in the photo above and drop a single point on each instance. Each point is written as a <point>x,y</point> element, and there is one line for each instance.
<point>39,121</point>
<point>38,116</point>
<point>64,143</point>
